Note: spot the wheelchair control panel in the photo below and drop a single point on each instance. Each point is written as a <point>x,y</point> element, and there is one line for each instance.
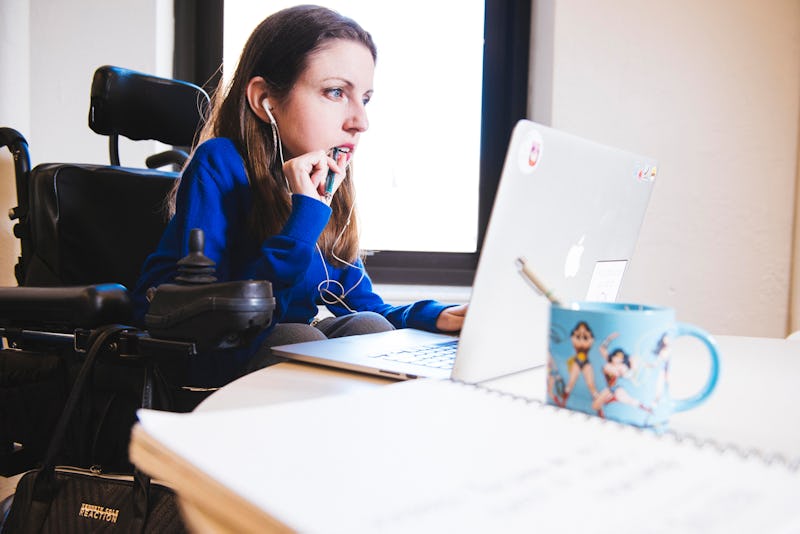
<point>215,315</point>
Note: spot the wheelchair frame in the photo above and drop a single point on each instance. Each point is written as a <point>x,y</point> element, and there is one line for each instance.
<point>58,320</point>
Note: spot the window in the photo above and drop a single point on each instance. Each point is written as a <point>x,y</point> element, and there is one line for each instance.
<point>449,87</point>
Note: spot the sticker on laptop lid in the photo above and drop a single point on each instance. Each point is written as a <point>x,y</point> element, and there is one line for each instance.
<point>646,173</point>
<point>606,280</point>
<point>529,152</point>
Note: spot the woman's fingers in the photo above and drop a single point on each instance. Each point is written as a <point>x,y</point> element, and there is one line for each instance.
<point>307,174</point>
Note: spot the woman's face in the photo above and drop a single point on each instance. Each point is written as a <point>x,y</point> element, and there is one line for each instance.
<point>326,106</point>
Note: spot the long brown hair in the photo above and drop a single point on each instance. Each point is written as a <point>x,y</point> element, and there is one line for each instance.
<point>278,50</point>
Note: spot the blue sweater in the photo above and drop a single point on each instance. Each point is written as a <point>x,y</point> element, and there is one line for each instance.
<point>215,196</point>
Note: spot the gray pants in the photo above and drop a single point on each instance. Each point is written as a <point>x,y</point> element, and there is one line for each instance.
<point>286,333</point>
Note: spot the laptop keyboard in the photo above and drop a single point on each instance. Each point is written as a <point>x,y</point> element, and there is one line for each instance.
<point>440,355</point>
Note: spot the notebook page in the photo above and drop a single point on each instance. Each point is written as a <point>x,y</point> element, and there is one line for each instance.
<point>439,456</point>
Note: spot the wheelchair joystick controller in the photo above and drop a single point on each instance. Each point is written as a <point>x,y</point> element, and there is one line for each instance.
<point>214,315</point>
<point>196,267</point>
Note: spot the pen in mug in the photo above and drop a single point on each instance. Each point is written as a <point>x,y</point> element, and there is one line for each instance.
<point>530,276</point>
<point>330,178</point>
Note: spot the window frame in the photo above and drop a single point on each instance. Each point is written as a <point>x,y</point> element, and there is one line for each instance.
<point>506,52</point>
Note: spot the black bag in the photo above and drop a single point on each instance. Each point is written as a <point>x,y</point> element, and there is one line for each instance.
<point>83,501</point>
<point>51,500</point>
<point>33,390</point>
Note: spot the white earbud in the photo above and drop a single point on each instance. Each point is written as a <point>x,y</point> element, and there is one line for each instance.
<point>267,108</point>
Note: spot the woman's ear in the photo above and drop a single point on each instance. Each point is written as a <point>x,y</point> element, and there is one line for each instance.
<point>258,98</point>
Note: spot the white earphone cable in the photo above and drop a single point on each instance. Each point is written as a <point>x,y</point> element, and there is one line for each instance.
<point>276,139</point>
<point>325,293</point>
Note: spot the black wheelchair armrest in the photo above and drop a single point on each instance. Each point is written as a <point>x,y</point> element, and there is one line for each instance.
<point>64,309</point>
<point>168,157</point>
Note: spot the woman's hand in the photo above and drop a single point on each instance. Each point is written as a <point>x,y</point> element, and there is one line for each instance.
<point>306,174</point>
<point>451,319</point>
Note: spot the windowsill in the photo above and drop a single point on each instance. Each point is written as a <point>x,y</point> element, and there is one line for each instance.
<point>407,293</point>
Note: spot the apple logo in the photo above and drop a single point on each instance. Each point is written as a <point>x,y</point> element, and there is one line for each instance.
<point>573,263</point>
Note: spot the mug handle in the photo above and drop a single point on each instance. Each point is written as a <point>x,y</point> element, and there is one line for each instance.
<point>683,329</point>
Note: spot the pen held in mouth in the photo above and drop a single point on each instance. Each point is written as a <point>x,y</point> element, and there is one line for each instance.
<point>330,178</point>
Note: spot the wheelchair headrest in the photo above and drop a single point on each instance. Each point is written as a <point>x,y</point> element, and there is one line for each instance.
<point>141,106</point>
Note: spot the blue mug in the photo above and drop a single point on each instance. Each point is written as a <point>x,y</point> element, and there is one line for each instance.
<point>612,360</point>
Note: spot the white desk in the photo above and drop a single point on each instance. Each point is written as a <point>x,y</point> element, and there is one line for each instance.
<point>755,404</point>
<point>287,382</point>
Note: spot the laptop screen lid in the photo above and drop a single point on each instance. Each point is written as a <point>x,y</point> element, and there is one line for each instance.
<point>573,209</point>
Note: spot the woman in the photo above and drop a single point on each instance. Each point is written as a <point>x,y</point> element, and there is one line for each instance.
<point>256,186</point>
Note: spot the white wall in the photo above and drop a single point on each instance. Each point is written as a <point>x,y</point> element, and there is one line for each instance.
<point>68,41</point>
<point>712,90</point>
<point>50,50</point>
<point>14,113</point>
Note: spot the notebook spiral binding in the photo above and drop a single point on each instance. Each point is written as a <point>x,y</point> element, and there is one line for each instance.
<point>792,464</point>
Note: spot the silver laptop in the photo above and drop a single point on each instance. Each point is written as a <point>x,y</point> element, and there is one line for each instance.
<point>572,209</point>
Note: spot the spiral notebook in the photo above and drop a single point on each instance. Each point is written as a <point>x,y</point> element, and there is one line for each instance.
<point>444,456</point>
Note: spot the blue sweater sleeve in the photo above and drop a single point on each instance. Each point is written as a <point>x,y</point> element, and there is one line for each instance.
<point>215,196</point>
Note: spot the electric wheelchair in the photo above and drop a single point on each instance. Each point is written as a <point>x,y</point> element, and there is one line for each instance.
<point>84,232</point>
